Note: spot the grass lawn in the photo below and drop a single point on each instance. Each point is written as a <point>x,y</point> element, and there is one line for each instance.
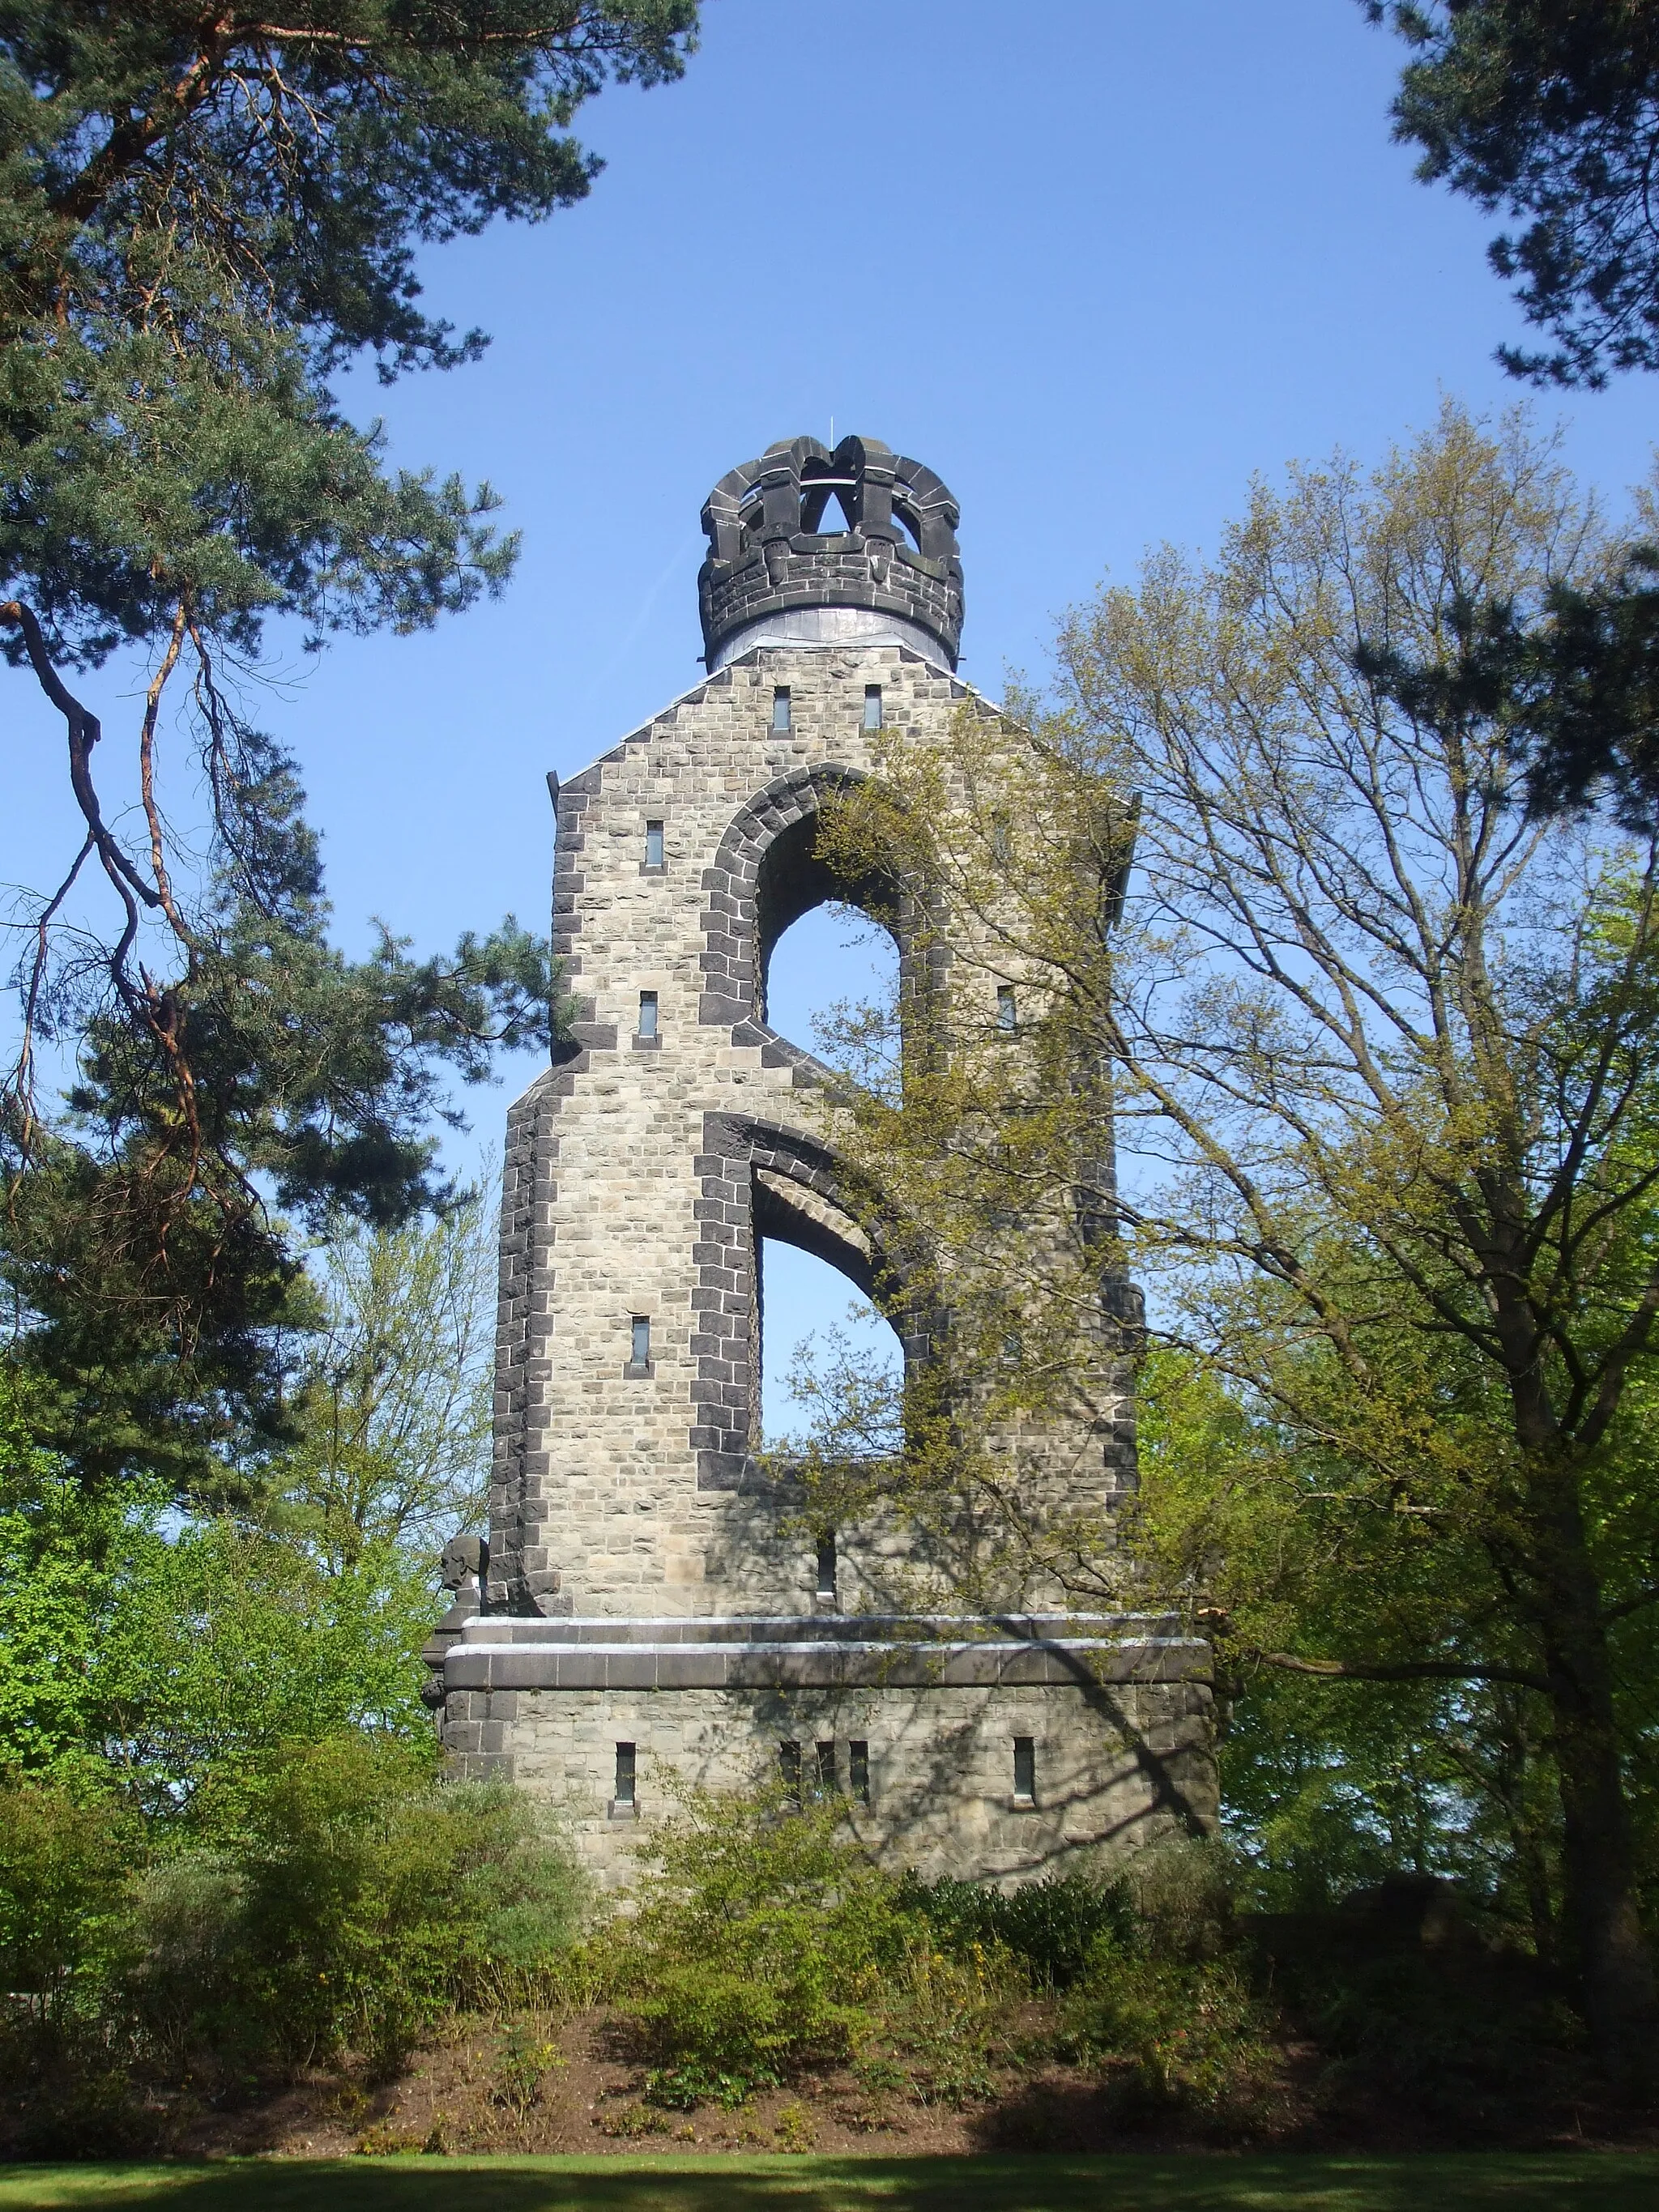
<point>1478,2182</point>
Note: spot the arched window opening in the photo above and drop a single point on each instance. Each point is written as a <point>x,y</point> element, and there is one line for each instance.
<point>828,498</point>
<point>832,1367</point>
<point>830,974</point>
<point>909,521</point>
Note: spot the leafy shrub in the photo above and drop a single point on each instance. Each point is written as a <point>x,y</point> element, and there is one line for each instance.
<point>64,1928</point>
<point>1481,2042</point>
<point>760,1942</point>
<point>355,1899</point>
<point>1050,1926</point>
<point>184,1914</point>
<point>375,1897</point>
<point>1140,1962</point>
<point>1179,1899</point>
<point>1188,2038</point>
<point>91,2110</point>
<point>522,2066</point>
<point>945,2023</point>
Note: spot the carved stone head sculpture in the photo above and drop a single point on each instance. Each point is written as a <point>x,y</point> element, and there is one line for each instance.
<point>463,1563</point>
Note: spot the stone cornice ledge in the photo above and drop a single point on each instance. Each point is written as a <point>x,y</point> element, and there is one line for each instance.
<point>735,1653</point>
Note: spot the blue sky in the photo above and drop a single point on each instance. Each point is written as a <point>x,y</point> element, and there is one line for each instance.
<point>1095,261</point>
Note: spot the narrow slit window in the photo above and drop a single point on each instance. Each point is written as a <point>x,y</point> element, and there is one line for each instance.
<point>639,1354</point>
<point>789,1767</point>
<point>1002,840</point>
<point>1025,1769</point>
<point>648,1014</point>
<point>858,1769</point>
<point>625,1773</point>
<point>827,1564</point>
<point>653,845</point>
<point>780,707</point>
<point>872,706</point>
<point>1007,1018</point>
<point>828,1784</point>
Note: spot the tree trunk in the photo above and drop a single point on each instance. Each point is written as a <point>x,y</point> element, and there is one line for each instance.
<point>1613,1958</point>
<point>1509,1785</point>
<point>1603,1924</point>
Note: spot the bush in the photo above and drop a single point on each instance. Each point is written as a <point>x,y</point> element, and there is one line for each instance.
<point>184,1916</point>
<point>945,2023</point>
<point>353,1900</point>
<point>375,1897</point>
<point>1479,2043</point>
<point>1179,1896</point>
<point>65,1933</point>
<point>760,1942</point>
<point>1051,1927</point>
<point>1161,2002</point>
<point>1185,2038</point>
<point>1140,1965</point>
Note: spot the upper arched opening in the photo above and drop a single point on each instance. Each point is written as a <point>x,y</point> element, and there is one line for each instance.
<point>795,876</point>
<point>832,963</point>
<point>828,498</point>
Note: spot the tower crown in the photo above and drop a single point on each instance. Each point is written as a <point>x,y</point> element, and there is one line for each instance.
<point>811,547</point>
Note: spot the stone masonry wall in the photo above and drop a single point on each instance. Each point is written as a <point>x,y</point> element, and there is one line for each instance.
<point>640,1172</point>
<point>628,1164</point>
<point>1116,1767</point>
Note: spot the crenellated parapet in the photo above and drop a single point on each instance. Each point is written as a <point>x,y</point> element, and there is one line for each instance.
<point>812,546</point>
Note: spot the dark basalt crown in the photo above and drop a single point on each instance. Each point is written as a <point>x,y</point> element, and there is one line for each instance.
<point>810,546</point>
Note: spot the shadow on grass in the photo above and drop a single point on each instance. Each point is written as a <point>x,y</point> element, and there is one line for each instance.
<point>1131,2182</point>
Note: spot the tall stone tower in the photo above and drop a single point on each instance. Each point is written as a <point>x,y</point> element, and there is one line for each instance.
<point>650,1601</point>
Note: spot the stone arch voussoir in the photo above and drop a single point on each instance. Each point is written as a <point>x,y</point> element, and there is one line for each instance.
<point>756,1179</point>
<point>765,875</point>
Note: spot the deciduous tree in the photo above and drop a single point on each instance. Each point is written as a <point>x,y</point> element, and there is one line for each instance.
<point>395,1389</point>
<point>1382,1052</point>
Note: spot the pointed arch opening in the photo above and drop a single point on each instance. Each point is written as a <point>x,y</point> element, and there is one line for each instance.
<point>812,1312</point>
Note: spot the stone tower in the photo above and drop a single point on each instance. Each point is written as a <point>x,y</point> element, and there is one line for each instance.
<point>648,1599</point>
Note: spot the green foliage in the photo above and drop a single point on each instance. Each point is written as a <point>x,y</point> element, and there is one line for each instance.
<point>1051,1927</point>
<point>765,1942</point>
<point>945,2025</point>
<point>374,1897</point>
<point>1329,1784</point>
<point>1148,1984</point>
<point>1550,113</point>
<point>1182,2037</point>
<point>200,219</point>
<point>1479,2043</point>
<point>1179,1891</point>
<point>393,1389</point>
<point>229,1644</point>
<point>56,1589</point>
<point>758,1945</point>
<point>65,1860</point>
<point>348,1899</point>
<point>158,1656</point>
<point>158,1295</point>
<point>524,2064</point>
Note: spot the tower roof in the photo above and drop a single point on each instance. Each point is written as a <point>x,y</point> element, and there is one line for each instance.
<point>811,547</point>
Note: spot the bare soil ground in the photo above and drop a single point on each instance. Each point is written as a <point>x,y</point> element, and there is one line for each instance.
<point>468,2093</point>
